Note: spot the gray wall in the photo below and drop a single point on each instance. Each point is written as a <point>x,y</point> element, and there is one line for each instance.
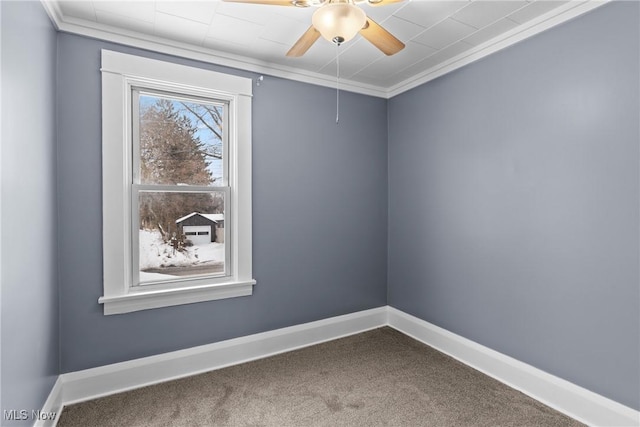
<point>319,217</point>
<point>514,197</point>
<point>30,346</point>
<point>513,208</point>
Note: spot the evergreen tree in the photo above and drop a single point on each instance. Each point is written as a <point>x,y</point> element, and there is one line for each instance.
<point>170,152</point>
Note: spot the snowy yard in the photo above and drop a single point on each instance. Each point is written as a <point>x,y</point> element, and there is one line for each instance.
<point>156,254</point>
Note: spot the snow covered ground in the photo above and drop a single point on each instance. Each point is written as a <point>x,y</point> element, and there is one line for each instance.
<point>156,254</point>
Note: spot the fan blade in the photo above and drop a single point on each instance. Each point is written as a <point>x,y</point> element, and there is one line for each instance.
<point>382,2</point>
<point>265,2</point>
<point>305,42</point>
<point>381,38</point>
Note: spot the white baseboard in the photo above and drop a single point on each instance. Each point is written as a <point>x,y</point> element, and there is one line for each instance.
<point>568,398</point>
<point>577,402</point>
<point>105,380</point>
<point>52,408</point>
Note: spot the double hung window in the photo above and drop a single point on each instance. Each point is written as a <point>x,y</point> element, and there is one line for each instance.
<point>176,184</point>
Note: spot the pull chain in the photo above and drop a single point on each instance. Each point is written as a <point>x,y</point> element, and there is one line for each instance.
<point>337,84</point>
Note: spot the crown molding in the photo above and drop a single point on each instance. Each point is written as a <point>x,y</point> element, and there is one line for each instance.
<point>542,23</point>
<point>53,10</point>
<point>99,31</point>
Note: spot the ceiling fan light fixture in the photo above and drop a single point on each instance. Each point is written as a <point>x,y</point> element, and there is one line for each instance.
<point>339,22</point>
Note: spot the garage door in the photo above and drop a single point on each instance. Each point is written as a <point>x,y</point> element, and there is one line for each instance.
<point>198,234</point>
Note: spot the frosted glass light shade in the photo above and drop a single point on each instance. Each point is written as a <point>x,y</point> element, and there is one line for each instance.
<point>339,22</point>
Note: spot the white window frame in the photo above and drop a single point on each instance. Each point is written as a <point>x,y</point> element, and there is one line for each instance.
<point>120,74</point>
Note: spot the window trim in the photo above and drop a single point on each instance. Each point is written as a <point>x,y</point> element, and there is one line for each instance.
<point>121,72</point>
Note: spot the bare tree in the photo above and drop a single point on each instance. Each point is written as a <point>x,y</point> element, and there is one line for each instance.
<point>212,118</point>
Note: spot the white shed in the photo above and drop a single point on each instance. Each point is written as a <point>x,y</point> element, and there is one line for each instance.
<point>202,229</point>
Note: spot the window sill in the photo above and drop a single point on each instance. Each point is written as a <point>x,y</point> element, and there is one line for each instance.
<point>144,300</point>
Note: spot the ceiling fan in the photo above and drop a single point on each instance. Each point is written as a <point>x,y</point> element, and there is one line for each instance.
<point>338,21</point>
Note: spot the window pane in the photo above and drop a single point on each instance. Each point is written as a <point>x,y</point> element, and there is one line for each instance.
<point>181,235</point>
<point>180,141</point>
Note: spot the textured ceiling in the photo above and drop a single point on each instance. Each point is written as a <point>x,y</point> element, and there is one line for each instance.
<point>435,32</point>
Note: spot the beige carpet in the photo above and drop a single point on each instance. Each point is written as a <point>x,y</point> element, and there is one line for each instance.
<point>377,378</point>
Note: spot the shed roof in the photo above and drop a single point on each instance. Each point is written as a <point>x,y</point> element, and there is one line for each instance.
<point>210,217</point>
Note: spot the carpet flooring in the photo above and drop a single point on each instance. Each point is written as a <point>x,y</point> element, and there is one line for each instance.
<point>376,378</point>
